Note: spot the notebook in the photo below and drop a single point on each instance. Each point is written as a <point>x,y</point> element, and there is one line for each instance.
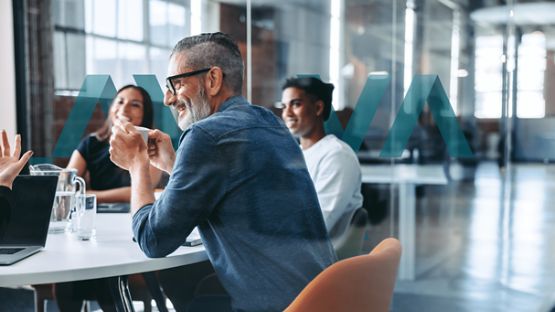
<point>193,239</point>
<point>24,228</point>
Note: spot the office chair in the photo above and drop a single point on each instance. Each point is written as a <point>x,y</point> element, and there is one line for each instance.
<point>349,244</point>
<point>362,283</point>
<point>42,292</point>
<point>144,287</point>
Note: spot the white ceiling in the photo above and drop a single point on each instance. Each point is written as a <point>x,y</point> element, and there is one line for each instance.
<point>538,13</point>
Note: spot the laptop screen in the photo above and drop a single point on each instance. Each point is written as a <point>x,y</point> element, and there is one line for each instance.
<point>27,223</point>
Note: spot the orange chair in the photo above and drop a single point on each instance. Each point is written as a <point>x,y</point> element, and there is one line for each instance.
<point>362,283</point>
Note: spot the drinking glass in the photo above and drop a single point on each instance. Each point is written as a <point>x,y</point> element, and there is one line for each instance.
<point>86,216</point>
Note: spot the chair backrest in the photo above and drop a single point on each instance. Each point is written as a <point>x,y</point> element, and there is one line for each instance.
<point>349,244</point>
<point>363,283</point>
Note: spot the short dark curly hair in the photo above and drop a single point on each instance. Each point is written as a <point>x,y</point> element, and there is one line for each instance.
<point>315,88</point>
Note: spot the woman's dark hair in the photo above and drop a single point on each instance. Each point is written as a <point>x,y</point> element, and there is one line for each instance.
<point>315,88</point>
<point>105,131</point>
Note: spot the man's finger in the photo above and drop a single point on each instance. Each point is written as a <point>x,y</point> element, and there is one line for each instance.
<point>113,154</point>
<point>115,158</point>
<point>122,118</point>
<point>118,127</point>
<point>115,140</point>
<point>129,127</point>
<point>124,126</point>
<point>157,134</point>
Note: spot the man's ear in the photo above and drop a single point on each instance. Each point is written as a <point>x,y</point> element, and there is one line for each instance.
<point>319,108</point>
<point>214,81</point>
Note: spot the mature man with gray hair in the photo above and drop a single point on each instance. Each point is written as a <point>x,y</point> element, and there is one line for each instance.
<point>237,174</point>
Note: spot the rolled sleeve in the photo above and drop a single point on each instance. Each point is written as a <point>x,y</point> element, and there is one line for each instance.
<point>145,239</point>
<point>195,187</point>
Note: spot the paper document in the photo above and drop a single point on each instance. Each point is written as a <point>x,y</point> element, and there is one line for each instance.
<point>194,238</point>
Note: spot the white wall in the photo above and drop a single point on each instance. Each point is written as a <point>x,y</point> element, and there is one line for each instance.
<point>7,69</point>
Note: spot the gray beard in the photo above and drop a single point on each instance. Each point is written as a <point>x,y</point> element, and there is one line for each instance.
<point>196,112</point>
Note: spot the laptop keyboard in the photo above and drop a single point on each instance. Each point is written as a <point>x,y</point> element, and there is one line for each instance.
<point>9,251</point>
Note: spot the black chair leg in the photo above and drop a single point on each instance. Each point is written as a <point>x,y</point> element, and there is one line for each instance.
<point>120,294</point>
<point>154,287</point>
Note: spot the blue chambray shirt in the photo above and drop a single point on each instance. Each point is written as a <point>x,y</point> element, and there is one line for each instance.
<point>241,177</point>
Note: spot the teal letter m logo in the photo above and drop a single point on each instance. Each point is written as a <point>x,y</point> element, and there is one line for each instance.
<point>424,88</point>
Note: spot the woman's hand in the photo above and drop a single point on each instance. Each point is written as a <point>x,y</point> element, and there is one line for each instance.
<point>11,165</point>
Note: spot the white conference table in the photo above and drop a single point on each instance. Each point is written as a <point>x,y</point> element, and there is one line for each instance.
<point>407,177</point>
<point>111,254</point>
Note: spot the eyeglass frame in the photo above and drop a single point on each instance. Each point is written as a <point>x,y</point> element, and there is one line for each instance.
<point>169,84</point>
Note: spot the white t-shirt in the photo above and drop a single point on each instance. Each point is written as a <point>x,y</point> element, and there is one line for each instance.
<point>335,171</point>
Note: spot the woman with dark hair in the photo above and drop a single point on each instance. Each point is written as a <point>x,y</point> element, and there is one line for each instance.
<point>92,158</point>
<point>110,184</point>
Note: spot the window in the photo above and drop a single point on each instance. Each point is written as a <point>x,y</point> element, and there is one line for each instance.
<point>530,76</point>
<point>115,37</point>
<point>488,82</point>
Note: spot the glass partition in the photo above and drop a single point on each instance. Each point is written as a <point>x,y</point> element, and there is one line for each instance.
<point>459,88</point>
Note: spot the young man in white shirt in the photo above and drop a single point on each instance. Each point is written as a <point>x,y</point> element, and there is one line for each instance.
<point>332,164</point>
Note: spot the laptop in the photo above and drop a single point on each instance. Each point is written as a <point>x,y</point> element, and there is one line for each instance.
<point>24,228</point>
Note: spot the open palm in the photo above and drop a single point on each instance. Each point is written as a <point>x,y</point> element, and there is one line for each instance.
<point>10,163</point>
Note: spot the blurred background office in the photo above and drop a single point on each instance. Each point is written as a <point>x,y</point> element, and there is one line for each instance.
<point>483,241</point>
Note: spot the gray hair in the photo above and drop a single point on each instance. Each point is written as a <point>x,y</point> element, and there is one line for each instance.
<point>214,49</point>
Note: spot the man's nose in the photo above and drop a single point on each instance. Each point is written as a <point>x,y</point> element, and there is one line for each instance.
<point>169,98</point>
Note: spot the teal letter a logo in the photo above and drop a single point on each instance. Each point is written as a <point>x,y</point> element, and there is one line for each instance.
<point>422,88</point>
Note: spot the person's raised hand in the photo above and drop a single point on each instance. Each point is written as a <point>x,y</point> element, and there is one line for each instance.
<point>10,163</point>
<point>160,150</point>
<point>127,148</point>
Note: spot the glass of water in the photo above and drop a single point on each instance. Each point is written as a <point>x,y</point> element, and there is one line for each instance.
<point>86,216</point>
<point>63,204</point>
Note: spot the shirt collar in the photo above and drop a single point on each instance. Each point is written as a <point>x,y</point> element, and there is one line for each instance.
<point>234,100</point>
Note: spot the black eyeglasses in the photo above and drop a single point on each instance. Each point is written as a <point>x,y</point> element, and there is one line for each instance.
<point>173,86</point>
